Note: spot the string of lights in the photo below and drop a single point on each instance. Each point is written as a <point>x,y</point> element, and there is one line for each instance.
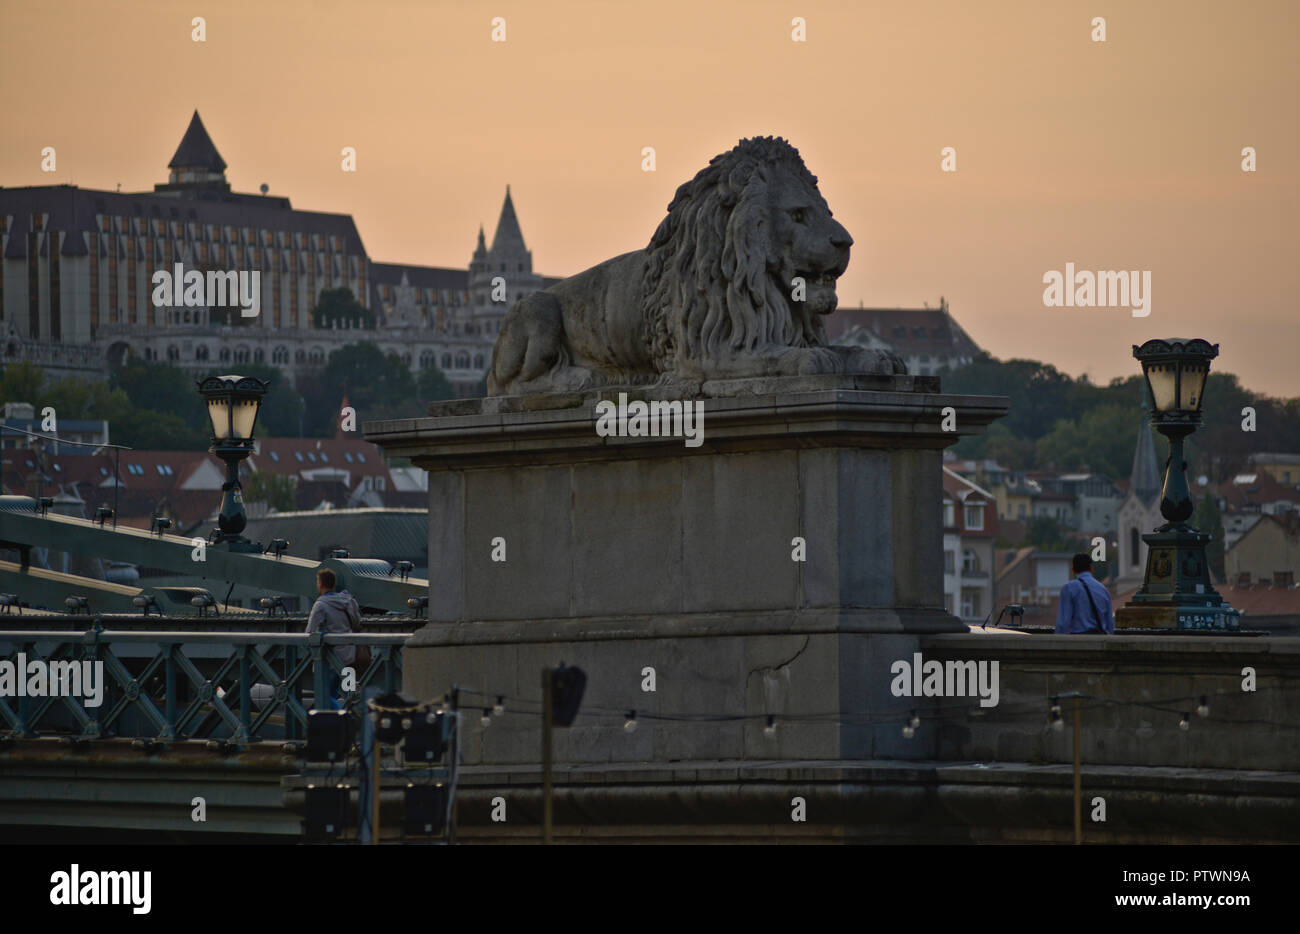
<point>1184,707</point>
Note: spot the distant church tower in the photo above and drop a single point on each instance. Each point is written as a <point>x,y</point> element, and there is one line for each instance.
<point>510,264</point>
<point>1139,513</point>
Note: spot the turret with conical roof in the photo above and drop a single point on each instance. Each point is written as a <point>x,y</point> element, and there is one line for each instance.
<point>499,276</point>
<point>197,164</point>
<point>509,239</point>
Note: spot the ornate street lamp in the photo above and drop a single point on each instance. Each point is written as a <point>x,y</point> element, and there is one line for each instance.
<point>233,403</point>
<point>1177,588</point>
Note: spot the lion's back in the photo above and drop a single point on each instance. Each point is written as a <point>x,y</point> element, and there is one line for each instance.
<point>602,309</point>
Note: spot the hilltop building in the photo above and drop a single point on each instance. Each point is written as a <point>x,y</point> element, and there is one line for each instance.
<point>76,269</point>
<point>929,339</point>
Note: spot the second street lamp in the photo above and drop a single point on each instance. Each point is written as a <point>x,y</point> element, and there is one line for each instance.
<point>233,404</point>
<point>1177,589</point>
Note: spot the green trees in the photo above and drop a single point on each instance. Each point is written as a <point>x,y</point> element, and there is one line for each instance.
<point>1100,440</point>
<point>151,405</point>
<point>1061,423</point>
<point>376,385</point>
<point>433,385</point>
<point>146,405</point>
<point>339,308</point>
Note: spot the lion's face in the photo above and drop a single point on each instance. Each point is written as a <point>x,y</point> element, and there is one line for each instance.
<point>805,242</point>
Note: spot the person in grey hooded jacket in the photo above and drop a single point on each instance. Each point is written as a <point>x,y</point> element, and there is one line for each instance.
<point>335,612</point>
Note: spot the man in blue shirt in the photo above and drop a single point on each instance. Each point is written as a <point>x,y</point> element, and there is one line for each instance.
<point>1085,603</point>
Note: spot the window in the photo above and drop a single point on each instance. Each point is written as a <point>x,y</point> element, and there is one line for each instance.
<point>347,456</point>
<point>1020,511</point>
<point>311,456</point>
<point>478,361</point>
<point>325,458</point>
<point>948,562</point>
<point>1283,578</point>
<point>298,455</point>
<point>975,518</point>
<point>949,515</point>
<point>970,604</point>
<point>970,562</point>
<point>275,457</point>
<point>446,361</point>
<point>361,457</point>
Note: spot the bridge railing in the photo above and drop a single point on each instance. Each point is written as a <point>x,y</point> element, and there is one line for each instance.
<point>237,687</point>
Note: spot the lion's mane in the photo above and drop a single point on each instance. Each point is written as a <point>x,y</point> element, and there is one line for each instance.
<point>716,231</point>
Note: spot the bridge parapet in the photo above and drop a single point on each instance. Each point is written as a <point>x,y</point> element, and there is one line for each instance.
<point>168,685</point>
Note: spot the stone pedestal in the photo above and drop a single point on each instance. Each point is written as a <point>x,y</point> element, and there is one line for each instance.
<point>777,569</point>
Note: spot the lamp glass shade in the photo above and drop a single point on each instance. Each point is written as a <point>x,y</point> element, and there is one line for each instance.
<point>219,412</point>
<point>1193,382</point>
<point>1163,380</point>
<point>245,414</point>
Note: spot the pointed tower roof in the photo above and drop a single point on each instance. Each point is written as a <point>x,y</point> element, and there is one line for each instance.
<point>197,150</point>
<point>1144,480</point>
<point>481,249</point>
<point>508,236</point>
<point>338,427</point>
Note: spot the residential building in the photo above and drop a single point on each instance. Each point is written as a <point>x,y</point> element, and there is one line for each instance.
<point>1033,580</point>
<point>1284,468</point>
<point>19,422</point>
<point>970,526</point>
<point>1268,553</point>
<point>928,339</point>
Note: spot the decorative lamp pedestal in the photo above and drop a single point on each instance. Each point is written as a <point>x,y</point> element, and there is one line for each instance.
<point>1179,592</point>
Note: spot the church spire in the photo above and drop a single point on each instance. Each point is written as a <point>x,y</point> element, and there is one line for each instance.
<point>1144,480</point>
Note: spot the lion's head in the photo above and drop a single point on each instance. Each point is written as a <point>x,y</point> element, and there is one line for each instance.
<point>724,267</point>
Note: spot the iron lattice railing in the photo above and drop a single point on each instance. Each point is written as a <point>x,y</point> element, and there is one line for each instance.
<point>239,687</point>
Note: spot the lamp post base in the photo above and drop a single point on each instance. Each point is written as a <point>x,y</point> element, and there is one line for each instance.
<point>1178,591</point>
<point>1151,616</point>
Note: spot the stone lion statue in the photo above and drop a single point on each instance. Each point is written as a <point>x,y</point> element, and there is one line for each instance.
<point>734,284</point>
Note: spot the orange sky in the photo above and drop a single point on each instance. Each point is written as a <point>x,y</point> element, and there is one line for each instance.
<point>1116,155</point>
